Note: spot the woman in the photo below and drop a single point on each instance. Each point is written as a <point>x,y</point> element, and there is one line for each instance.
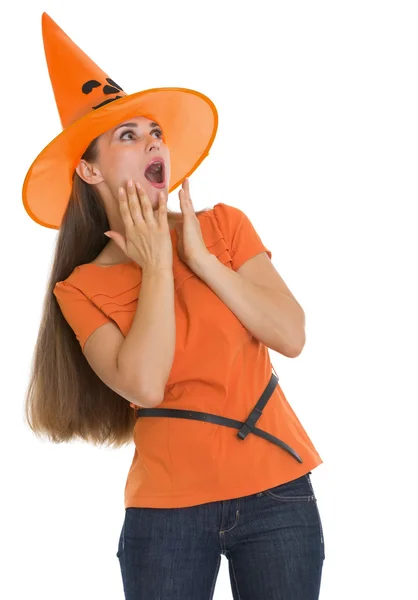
<point>170,320</point>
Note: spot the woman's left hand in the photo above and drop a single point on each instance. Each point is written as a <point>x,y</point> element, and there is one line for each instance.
<point>191,247</point>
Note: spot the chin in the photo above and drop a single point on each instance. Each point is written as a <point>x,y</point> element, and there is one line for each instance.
<point>153,194</point>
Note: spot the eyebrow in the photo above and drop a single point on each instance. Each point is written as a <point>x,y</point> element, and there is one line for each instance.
<point>134,125</point>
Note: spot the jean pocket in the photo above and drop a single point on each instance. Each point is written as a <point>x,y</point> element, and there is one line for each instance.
<point>297,490</point>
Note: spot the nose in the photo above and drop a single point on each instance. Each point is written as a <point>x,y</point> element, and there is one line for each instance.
<point>153,143</point>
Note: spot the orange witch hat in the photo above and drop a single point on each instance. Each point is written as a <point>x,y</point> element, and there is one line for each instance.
<point>89,103</point>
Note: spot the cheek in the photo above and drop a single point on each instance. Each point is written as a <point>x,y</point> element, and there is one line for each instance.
<point>120,167</point>
<point>166,156</point>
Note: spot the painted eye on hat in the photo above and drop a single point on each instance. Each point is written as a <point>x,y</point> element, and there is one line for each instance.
<point>112,88</point>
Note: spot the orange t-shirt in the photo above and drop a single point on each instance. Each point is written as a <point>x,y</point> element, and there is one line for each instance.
<point>218,367</point>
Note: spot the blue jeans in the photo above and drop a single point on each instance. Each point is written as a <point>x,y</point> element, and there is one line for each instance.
<point>273,541</point>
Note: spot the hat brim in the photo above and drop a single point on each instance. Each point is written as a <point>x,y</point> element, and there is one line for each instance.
<point>188,118</point>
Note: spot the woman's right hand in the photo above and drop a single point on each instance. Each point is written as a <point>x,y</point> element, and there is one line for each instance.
<point>148,241</point>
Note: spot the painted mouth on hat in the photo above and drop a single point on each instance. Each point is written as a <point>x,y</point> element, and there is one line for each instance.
<point>155,172</point>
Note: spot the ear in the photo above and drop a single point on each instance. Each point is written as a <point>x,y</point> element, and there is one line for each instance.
<point>88,172</point>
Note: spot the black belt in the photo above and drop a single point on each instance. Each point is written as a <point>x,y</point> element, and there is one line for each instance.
<point>244,427</point>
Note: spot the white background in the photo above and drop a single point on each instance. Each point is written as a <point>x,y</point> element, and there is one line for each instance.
<point>317,143</point>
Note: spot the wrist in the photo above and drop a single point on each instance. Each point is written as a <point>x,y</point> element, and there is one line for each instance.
<point>157,272</point>
<point>199,265</point>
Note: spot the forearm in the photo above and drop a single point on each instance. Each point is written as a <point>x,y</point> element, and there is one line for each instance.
<point>147,353</point>
<point>276,320</point>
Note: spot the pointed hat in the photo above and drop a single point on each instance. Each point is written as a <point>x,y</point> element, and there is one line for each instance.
<point>89,103</point>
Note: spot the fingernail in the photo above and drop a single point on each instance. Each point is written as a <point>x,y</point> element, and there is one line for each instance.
<point>121,191</point>
<point>130,183</point>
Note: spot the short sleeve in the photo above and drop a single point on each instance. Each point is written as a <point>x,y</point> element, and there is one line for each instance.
<point>239,233</point>
<point>80,313</point>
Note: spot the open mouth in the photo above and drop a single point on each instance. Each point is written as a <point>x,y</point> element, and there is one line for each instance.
<point>155,172</point>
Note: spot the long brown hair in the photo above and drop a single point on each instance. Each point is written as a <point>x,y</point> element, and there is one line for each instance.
<point>65,399</point>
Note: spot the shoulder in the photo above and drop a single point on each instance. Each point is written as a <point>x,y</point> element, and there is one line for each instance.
<point>229,219</point>
<point>68,290</point>
<point>80,282</point>
<point>228,214</point>
<point>220,213</point>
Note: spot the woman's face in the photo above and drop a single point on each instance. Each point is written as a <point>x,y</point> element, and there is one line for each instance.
<point>135,150</point>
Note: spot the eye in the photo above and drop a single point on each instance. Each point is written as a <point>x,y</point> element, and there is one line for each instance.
<point>129,132</point>
<point>158,132</point>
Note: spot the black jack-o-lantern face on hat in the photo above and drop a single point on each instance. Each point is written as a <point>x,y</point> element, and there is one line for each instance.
<point>111,88</point>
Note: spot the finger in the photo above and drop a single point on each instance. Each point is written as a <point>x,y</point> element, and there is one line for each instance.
<point>185,199</point>
<point>144,205</point>
<point>162,209</point>
<point>133,202</point>
<point>124,210</point>
<point>187,191</point>
<point>183,203</point>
